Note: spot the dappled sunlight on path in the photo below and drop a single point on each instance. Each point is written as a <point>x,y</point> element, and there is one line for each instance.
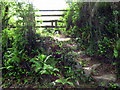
<point>61,38</point>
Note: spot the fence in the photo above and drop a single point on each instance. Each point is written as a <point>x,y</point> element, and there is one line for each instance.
<point>52,21</point>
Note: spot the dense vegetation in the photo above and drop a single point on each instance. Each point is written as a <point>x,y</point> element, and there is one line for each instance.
<point>35,59</point>
<point>96,27</point>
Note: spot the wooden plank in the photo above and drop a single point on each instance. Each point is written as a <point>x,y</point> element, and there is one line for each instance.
<point>49,27</point>
<point>48,15</point>
<point>56,10</point>
<point>44,27</point>
<point>53,10</point>
<point>50,21</point>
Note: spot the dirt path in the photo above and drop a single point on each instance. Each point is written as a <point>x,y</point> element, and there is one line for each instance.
<point>103,73</point>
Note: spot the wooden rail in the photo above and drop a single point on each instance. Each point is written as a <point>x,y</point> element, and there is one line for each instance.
<point>49,15</point>
<point>42,26</point>
<point>50,26</point>
<point>53,10</point>
<point>52,21</point>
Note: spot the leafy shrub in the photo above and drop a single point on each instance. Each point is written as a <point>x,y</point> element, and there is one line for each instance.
<point>43,64</point>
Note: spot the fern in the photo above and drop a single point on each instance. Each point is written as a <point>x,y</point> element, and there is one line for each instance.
<point>42,65</point>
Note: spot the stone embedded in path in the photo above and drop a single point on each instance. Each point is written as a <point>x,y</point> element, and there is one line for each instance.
<point>89,70</point>
<point>105,80</point>
<point>109,77</point>
<point>71,45</point>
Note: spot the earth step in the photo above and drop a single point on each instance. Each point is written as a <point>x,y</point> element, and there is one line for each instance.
<point>89,70</point>
<point>109,77</point>
<point>79,52</point>
<point>105,80</point>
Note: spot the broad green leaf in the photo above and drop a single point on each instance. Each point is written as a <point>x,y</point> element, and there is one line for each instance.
<point>55,69</point>
<point>59,81</point>
<point>48,67</point>
<point>9,67</point>
<point>70,83</point>
<point>42,57</point>
<point>44,72</point>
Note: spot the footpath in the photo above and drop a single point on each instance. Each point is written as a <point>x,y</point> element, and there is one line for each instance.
<point>104,74</point>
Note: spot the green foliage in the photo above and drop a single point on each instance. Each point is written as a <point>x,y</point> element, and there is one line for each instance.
<point>112,85</point>
<point>64,81</point>
<point>14,41</point>
<point>117,49</point>
<point>115,52</point>
<point>96,33</point>
<point>14,52</point>
<point>104,46</point>
<point>42,64</point>
<point>96,29</point>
